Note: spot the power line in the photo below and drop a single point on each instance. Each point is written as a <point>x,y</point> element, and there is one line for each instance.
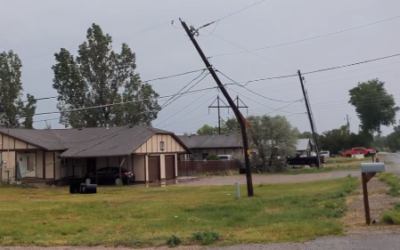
<point>311,38</point>
<point>191,111</point>
<point>147,81</point>
<point>177,95</point>
<point>268,98</point>
<point>229,15</point>
<point>114,104</point>
<point>183,108</point>
<point>315,71</point>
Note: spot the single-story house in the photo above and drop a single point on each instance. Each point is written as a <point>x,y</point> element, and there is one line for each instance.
<point>56,154</point>
<point>304,147</point>
<point>202,146</point>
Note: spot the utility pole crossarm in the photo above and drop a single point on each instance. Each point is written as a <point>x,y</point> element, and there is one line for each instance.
<point>235,109</point>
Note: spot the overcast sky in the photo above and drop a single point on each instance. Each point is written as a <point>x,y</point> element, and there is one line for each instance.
<point>37,29</point>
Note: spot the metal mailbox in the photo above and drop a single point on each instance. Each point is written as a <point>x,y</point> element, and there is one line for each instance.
<point>372,167</point>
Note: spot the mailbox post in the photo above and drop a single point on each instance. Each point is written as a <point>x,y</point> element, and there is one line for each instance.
<point>368,171</point>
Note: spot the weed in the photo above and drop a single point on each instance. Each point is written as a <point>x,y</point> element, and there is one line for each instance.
<point>206,238</point>
<point>174,241</point>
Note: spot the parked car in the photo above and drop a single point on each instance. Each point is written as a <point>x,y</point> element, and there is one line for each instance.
<point>225,157</point>
<point>359,150</point>
<point>311,161</point>
<point>325,153</point>
<point>110,175</point>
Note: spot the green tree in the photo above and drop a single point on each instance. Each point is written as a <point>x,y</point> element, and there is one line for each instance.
<point>14,112</point>
<point>374,106</point>
<point>207,130</point>
<point>393,139</point>
<point>306,135</point>
<point>99,76</point>
<point>273,138</point>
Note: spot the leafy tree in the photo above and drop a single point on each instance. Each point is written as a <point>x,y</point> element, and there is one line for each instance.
<point>374,106</point>
<point>13,110</point>
<point>207,130</point>
<point>306,135</point>
<point>98,76</point>
<point>230,127</point>
<point>393,139</point>
<point>273,138</point>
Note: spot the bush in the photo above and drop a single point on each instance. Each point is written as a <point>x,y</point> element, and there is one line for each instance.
<point>174,241</point>
<point>206,238</point>
<point>212,158</point>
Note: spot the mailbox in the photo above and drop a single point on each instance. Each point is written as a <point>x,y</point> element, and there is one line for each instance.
<point>373,167</point>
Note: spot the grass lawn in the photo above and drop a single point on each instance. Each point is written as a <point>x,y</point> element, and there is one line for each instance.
<point>392,216</point>
<point>335,160</point>
<point>139,216</point>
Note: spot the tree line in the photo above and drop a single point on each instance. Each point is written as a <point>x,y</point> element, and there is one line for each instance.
<point>273,136</point>
<point>97,76</point>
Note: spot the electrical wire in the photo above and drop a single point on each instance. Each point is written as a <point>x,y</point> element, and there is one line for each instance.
<point>177,95</point>
<point>146,81</point>
<point>119,103</point>
<point>311,38</point>
<point>268,98</point>
<point>183,109</point>
<point>208,100</point>
<point>231,14</point>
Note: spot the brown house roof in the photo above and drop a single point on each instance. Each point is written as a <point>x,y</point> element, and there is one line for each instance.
<point>89,142</point>
<point>211,141</point>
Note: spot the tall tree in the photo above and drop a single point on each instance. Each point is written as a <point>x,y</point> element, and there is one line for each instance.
<point>98,76</point>
<point>273,138</point>
<point>14,112</point>
<point>375,107</point>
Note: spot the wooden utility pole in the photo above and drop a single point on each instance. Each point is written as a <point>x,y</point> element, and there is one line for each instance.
<point>241,120</point>
<point>310,117</point>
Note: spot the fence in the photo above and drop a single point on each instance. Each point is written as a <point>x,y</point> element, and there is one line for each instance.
<point>190,168</point>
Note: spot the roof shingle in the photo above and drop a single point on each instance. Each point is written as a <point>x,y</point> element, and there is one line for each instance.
<point>211,141</point>
<point>89,142</point>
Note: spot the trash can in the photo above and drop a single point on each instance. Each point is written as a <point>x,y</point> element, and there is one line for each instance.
<point>74,188</point>
<point>88,188</point>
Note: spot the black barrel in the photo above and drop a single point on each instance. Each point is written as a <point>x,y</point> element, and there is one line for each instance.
<point>88,188</point>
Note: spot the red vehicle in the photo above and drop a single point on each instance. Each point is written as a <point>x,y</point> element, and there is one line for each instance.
<point>358,151</point>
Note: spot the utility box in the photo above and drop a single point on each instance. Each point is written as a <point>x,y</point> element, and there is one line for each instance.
<point>373,167</point>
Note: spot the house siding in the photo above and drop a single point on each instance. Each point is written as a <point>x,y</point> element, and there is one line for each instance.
<point>152,145</point>
<point>198,153</point>
<point>49,165</point>
<point>8,143</point>
<point>139,167</point>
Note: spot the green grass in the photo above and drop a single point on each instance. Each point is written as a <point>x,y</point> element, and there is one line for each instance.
<point>174,215</point>
<point>392,216</point>
<point>321,170</point>
<point>334,160</point>
<point>392,181</point>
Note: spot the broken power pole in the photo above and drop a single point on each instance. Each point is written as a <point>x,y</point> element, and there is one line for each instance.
<point>241,120</point>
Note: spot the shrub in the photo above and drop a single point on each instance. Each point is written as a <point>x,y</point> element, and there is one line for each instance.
<point>174,241</point>
<point>212,158</point>
<point>206,238</point>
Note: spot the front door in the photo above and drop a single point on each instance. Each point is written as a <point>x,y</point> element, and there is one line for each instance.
<point>26,165</point>
<point>91,166</point>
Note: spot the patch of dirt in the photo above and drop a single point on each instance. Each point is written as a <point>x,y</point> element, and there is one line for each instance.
<point>379,202</point>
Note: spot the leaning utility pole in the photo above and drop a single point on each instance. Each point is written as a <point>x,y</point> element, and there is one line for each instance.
<point>348,123</point>
<point>241,120</point>
<point>310,117</point>
<point>218,99</point>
